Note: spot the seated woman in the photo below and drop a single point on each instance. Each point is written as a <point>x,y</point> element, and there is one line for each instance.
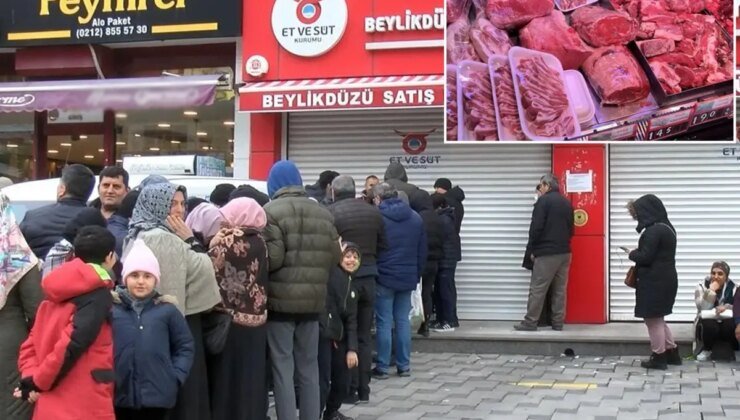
<point>714,299</point>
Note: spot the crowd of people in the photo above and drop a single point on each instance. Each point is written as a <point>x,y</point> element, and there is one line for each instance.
<point>149,304</point>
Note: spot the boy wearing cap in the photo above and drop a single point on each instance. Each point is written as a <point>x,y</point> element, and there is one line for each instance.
<point>153,347</point>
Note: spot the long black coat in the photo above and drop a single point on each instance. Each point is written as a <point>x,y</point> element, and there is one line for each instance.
<point>655,259</point>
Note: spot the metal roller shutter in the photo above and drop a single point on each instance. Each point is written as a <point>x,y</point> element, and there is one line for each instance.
<point>699,186</point>
<point>498,180</point>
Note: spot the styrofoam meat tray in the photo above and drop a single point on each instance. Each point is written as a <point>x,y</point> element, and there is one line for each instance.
<point>557,3</point>
<point>498,60</point>
<point>451,68</point>
<point>516,54</point>
<point>464,70</point>
<point>578,93</point>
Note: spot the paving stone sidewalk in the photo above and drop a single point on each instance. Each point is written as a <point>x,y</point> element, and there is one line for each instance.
<point>468,386</point>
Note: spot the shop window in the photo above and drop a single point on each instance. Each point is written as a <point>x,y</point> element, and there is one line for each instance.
<point>16,146</point>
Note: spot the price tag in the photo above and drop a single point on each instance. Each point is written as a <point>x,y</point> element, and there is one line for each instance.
<point>623,132</point>
<point>670,125</point>
<point>711,110</point>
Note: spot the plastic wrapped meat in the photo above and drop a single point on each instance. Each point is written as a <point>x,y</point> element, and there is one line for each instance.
<point>508,111</point>
<point>600,27</point>
<point>513,14</point>
<point>457,9</point>
<point>570,4</point>
<point>616,76</point>
<point>479,114</point>
<point>544,100</point>
<point>459,47</point>
<point>451,105</point>
<point>488,40</point>
<point>551,34</point>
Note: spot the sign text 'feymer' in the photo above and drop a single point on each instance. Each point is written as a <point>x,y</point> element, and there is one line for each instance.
<point>43,22</point>
<point>407,22</point>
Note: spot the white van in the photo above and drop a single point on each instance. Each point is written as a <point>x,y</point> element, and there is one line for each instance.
<point>33,194</point>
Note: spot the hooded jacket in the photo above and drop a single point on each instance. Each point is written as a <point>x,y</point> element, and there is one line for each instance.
<point>433,225</point>
<point>154,351</point>
<point>451,254</point>
<point>401,265</point>
<point>339,321</point>
<point>43,227</point>
<point>455,198</point>
<point>552,225</point>
<point>69,352</point>
<point>302,246</point>
<point>655,260</point>
<point>361,223</point>
<point>396,176</point>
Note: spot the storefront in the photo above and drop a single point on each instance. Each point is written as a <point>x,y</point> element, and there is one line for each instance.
<point>93,83</point>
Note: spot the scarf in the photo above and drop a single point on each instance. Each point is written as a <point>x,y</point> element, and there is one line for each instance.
<point>244,212</point>
<point>152,208</point>
<point>205,219</point>
<point>16,257</point>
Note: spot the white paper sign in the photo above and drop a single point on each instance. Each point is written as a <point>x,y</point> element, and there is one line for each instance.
<point>579,183</point>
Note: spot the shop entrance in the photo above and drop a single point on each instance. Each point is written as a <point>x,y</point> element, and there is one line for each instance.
<point>85,137</point>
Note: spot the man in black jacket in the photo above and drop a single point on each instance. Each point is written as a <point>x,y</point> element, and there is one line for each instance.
<point>43,227</point>
<point>396,177</point>
<point>454,196</point>
<point>361,223</point>
<point>434,226</point>
<point>550,233</point>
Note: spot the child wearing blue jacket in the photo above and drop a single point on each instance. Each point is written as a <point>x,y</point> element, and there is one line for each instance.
<point>153,347</point>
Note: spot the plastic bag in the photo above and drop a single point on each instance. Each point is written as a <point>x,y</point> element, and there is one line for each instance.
<point>416,316</point>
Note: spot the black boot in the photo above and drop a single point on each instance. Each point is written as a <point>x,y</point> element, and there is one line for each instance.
<point>656,361</point>
<point>424,329</point>
<point>673,357</point>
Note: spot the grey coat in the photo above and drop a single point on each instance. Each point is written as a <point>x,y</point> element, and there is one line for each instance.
<point>16,318</point>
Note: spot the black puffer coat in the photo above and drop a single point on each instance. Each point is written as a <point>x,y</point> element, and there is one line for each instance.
<point>655,259</point>
<point>454,198</point>
<point>433,225</point>
<point>361,223</point>
<point>303,247</point>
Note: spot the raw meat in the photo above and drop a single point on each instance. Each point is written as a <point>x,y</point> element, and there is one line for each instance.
<point>457,9</point>
<point>616,76</point>
<point>459,47</point>
<point>488,40</point>
<point>551,34</point>
<point>722,10</point>
<point>600,27</point>
<point>647,30</point>
<point>513,14</point>
<point>570,4</point>
<point>451,105</point>
<point>653,47</point>
<point>544,100</point>
<point>668,78</point>
<point>480,117</point>
<point>506,100</point>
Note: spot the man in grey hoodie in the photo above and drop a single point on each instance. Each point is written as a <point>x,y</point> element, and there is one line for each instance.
<point>396,176</point>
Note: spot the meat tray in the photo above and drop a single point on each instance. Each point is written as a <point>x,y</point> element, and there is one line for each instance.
<point>516,54</point>
<point>566,10</point>
<point>503,132</point>
<point>464,70</point>
<point>580,96</point>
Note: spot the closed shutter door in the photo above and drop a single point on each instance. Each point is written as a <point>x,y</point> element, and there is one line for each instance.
<point>498,180</point>
<point>699,186</point>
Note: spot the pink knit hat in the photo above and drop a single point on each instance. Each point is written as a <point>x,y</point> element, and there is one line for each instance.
<point>141,258</point>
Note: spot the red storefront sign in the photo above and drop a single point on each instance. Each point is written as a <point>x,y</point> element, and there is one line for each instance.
<point>292,47</point>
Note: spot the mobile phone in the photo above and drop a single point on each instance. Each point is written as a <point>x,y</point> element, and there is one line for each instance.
<point>625,249</point>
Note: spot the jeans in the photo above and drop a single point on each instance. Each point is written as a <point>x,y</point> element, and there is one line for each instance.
<point>445,295</point>
<point>428,280</point>
<point>392,307</point>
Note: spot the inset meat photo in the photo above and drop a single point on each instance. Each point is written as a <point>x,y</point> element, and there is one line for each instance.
<point>589,70</point>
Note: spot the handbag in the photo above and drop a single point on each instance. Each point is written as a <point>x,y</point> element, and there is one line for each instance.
<point>712,314</point>
<point>216,325</point>
<point>630,279</point>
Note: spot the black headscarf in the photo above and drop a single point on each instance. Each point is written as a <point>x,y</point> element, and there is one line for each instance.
<point>649,211</point>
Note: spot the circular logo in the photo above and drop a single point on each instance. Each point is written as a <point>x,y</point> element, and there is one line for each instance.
<point>308,11</point>
<point>580,217</point>
<point>414,145</point>
<point>256,66</point>
<point>309,28</point>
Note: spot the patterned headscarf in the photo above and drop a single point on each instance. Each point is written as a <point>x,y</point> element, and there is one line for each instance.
<point>16,257</point>
<point>205,219</point>
<point>152,209</point>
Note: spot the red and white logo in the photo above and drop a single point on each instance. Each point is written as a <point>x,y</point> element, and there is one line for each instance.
<point>309,28</point>
<point>308,11</point>
<point>414,143</point>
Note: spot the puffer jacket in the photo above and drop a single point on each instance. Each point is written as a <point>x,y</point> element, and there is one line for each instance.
<point>455,198</point>
<point>154,351</point>
<point>401,265</point>
<point>361,223</point>
<point>396,176</point>
<point>43,227</point>
<point>433,225</point>
<point>303,247</point>
<point>451,240</point>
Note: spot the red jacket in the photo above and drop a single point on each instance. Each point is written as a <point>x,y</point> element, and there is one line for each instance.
<point>69,353</point>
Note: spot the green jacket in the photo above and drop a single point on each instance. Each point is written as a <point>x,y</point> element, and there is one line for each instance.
<point>303,246</point>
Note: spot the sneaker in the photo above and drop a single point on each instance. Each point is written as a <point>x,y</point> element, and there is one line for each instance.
<point>445,327</point>
<point>704,356</point>
<point>525,327</point>
<point>404,373</point>
<point>351,399</point>
<point>379,374</point>
<point>433,324</point>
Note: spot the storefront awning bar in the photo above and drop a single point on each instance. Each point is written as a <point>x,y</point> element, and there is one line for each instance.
<point>354,83</point>
<point>120,94</point>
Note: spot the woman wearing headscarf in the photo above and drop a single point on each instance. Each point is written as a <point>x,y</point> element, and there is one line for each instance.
<point>657,279</point>
<point>239,255</point>
<point>187,274</point>
<point>20,295</point>
<point>205,221</point>
<point>714,297</point>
